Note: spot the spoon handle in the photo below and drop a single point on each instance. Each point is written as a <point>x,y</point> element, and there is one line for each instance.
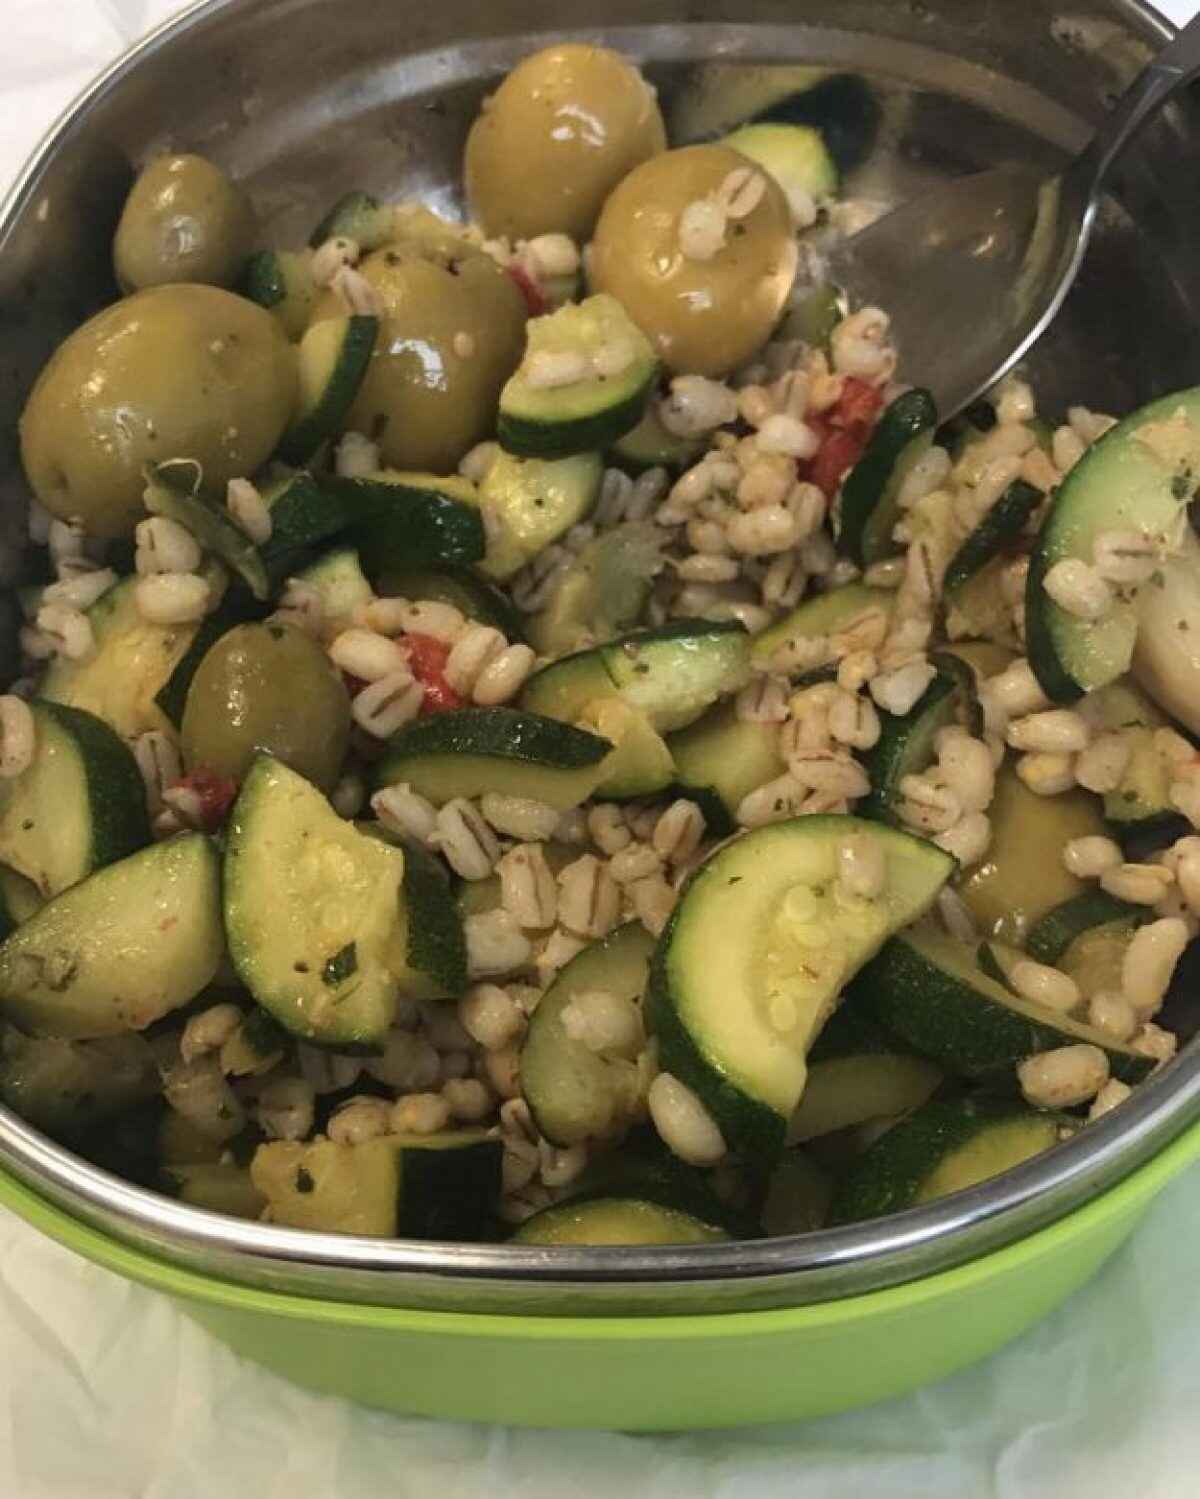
<point>1177,64</point>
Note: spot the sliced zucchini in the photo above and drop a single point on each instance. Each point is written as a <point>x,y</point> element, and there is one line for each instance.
<point>640,763</point>
<point>870,498</point>
<point>795,155</point>
<point>537,421</point>
<point>650,445</point>
<point>469,593</point>
<point>282,282</point>
<point>418,1186</point>
<point>1140,475</point>
<point>19,900</point>
<point>358,216</point>
<point>984,657</point>
<point>235,608</point>
<point>837,612</point>
<point>928,988</point>
<point>842,106</point>
<point>67,1086</point>
<point>81,804</point>
<point>533,502</point>
<point>332,361</point>
<point>735,1018</point>
<point>180,1143</point>
<point>994,536</point>
<point>1023,875</point>
<point>410,520</point>
<point>173,489</point>
<point>128,945</point>
<point>1096,958</point>
<point>1053,936</point>
<point>720,759</point>
<point>474,750</point>
<point>720,94</point>
<point>906,741</point>
<point>1166,657</point>
<point>601,593</point>
<point>615,1220</point>
<point>798,1196</point>
<point>218,1187</point>
<point>312,912</point>
<point>133,661</point>
<point>303,516</point>
<point>339,579</point>
<point>944,1148</point>
<point>574,1093</point>
<point>672,674</point>
<point>430,925</point>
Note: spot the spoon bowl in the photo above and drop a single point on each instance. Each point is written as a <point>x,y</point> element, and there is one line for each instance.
<point>974,272</point>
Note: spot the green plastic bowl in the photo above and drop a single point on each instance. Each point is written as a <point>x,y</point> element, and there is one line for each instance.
<point>646,1373</point>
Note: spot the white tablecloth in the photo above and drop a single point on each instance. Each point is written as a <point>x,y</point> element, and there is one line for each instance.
<point>107,1392</point>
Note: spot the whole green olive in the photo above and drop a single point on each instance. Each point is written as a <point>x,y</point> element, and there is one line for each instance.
<point>266,687</point>
<point>555,139</point>
<point>183,220</point>
<point>707,306</point>
<point>453,331</point>
<point>171,372</point>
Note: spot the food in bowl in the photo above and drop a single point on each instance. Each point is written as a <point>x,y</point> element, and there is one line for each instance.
<point>532,729</point>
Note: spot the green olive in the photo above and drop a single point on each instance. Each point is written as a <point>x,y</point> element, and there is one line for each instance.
<point>453,331</point>
<point>555,139</point>
<point>266,687</point>
<point>183,221</point>
<point>708,315</point>
<point>171,372</point>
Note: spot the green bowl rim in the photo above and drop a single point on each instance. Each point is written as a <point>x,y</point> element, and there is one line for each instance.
<point>1127,1197</point>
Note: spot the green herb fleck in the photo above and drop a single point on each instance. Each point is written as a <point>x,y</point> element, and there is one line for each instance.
<point>304,1181</point>
<point>341,966</point>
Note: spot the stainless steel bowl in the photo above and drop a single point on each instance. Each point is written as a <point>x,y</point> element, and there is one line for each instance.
<point>303,98</point>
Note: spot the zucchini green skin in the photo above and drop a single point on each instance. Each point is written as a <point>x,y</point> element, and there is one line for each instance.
<point>323,420</point>
<point>905,747</point>
<point>869,508</point>
<point>436,943</point>
<point>843,107</point>
<point>889,1176</point>
<point>650,445</point>
<point>529,437</point>
<point>973,1028</point>
<point>407,524</point>
<point>115,790</point>
<point>906,744</point>
<point>448,1195</point>
<point>1053,678</point>
<point>1050,937</point>
<point>358,216</point>
<point>750,1126</point>
<point>998,529</point>
<point>263,281</point>
<point>499,733</point>
<point>466,590</point>
<point>851,1032</point>
<point>173,489</point>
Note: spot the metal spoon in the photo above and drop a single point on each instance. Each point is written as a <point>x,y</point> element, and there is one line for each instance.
<point>973,273</point>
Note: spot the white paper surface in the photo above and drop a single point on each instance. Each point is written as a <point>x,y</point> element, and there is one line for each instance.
<point>107,1392</point>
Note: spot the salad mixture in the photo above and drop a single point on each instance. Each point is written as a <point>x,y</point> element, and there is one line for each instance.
<point>530,728</point>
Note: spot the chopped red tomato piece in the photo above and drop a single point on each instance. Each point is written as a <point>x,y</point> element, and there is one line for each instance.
<point>214,793</point>
<point>844,431</point>
<point>427,662</point>
<point>529,289</point>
